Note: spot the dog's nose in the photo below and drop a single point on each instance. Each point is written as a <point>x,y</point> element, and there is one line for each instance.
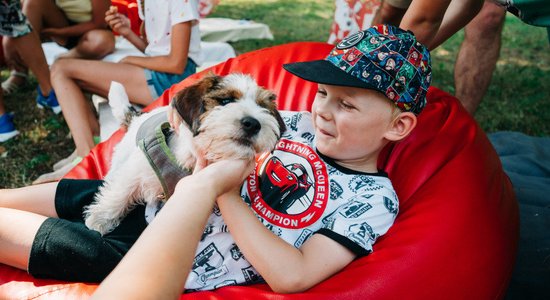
<point>250,125</point>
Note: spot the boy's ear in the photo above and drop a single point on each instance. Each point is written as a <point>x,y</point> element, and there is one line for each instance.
<point>401,126</point>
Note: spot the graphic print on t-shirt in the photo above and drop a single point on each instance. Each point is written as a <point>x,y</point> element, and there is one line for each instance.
<point>208,264</point>
<point>293,194</point>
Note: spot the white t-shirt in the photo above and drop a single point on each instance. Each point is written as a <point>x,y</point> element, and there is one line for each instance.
<point>297,192</point>
<point>159,17</point>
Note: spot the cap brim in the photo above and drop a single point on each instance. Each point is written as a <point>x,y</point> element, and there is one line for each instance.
<point>324,72</point>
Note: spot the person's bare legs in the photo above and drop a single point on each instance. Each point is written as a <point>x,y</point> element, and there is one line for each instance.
<point>36,61</point>
<point>70,76</point>
<point>478,55</point>
<point>22,212</point>
<point>94,44</point>
<point>44,13</point>
<point>18,70</point>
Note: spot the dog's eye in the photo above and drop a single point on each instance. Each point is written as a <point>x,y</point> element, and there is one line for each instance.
<point>226,101</point>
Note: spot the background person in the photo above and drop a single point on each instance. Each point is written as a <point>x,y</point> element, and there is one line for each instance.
<point>14,24</point>
<point>78,25</point>
<point>171,45</point>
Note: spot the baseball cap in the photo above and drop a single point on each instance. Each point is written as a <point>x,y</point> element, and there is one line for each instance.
<point>384,58</point>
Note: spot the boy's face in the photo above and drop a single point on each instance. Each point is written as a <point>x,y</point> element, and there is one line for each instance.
<point>350,124</point>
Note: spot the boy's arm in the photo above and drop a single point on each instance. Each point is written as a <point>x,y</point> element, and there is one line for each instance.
<point>176,60</point>
<point>285,268</point>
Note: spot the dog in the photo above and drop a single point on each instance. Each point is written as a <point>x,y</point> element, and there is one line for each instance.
<point>221,118</point>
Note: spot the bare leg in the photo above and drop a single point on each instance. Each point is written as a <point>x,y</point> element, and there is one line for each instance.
<point>19,227</point>
<point>478,55</point>
<point>17,231</point>
<point>26,47</point>
<point>2,107</point>
<point>44,13</point>
<point>38,199</point>
<point>18,74</point>
<point>70,75</point>
<point>94,44</point>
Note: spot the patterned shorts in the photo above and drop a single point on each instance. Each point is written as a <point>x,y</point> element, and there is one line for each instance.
<point>13,22</point>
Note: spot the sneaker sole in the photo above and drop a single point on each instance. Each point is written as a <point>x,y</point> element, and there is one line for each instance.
<point>56,110</point>
<point>6,136</point>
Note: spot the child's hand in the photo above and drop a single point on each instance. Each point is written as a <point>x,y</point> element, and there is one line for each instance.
<point>226,175</point>
<point>119,23</point>
<point>174,118</point>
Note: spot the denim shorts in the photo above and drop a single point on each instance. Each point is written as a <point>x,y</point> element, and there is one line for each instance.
<point>158,82</point>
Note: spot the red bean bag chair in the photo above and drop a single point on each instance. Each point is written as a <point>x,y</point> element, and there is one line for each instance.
<point>456,233</point>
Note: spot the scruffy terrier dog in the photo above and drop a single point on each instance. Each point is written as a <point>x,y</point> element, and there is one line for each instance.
<point>222,117</point>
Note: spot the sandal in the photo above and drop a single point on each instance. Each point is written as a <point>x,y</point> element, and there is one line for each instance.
<point>49,101</point>
<point>9,86</point>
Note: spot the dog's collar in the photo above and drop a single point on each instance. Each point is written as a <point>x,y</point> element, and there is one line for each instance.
<point>152,138</point>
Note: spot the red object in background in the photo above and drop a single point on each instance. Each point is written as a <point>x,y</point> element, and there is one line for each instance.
<point>457,230</point>
<point>130,9</point>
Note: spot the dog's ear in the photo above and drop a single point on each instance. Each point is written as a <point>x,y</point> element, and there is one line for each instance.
<point>277,115</point>
<point>271,97</point>
<point>189,102</point>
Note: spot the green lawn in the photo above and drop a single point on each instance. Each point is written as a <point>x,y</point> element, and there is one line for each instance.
<point>518,98</point>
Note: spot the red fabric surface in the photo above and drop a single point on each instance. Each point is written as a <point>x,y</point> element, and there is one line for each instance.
<point>456,233</point>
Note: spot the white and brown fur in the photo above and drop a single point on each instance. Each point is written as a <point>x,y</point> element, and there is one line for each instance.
<point>223,117</point>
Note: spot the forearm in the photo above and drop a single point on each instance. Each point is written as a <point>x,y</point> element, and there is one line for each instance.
<point>458,15</point>
<point>79,29</point>
<point>163,63</point>
<point>424,19</point>
<point>137,41</point>
<point>157,266</point>
<point>285,268</point>
<point>176,60</point>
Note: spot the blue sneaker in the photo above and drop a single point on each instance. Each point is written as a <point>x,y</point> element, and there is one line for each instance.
<point>7,129</point>
<point>49,101</point>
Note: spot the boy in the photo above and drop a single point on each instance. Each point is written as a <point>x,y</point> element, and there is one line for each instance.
<point>318,201</point>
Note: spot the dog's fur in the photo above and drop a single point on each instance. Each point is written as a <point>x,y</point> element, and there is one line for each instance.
<point>223,117</point>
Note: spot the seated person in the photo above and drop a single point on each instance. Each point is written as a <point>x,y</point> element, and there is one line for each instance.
<point>16,26</point>
<point>172,52</point>
<point>362,105</point>
<point>433,22</point>
<point>78,25</point>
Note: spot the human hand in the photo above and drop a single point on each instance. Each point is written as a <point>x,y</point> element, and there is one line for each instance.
<point>174,119</point>
<point>119,23</point>
<point>226,176</point>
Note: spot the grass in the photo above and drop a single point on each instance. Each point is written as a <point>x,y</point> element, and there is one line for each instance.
<point>517,100</point>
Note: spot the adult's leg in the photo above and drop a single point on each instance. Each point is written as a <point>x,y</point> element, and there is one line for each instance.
<point>71,76</point>
<point>478,55</point>
<point>22,211</point>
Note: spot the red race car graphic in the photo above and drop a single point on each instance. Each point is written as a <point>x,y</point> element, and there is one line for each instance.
<point>283,185</point>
